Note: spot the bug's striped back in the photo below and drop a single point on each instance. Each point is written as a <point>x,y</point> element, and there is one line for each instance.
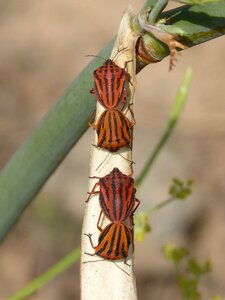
<point>113,129</point>
<point>117,201</point>
<point>114,241</point>
<point>109,84</point>
<point>117,195</point>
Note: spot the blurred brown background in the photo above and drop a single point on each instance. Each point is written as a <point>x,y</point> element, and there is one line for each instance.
<point>43,47</point>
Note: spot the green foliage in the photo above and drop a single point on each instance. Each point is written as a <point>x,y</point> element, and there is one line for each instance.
<point>175,114</point>
<point>174,254</point>
<point>217,297</point>
<point>196,269</point>
<point>197,2</point>
<point>180,190</point>
<point>188,270</point>
<point>46,277</point>
<point>188,287</point>
<point>141,226</point>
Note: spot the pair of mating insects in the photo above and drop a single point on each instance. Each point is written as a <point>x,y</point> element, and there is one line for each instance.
<point>117,193</point>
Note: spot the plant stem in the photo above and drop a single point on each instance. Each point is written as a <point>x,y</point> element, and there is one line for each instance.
<point>46,277</point>
<point>156,11</point>
<point>105,279</point>
<point>175,113</point>
<point>148,5</point>
<point>160,205</point>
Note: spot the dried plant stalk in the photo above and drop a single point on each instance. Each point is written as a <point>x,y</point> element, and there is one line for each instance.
<point>103,279</point>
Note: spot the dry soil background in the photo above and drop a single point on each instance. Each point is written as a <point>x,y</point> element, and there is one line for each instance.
<point>43,47</point>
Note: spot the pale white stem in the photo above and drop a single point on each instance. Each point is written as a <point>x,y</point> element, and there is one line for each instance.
<point>103,279</point>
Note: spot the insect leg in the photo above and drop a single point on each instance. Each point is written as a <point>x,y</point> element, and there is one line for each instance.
<point>125,66</point>
<point>90,239</point>
<point>125,261</point>
<point>93,192</point>
<point>91,122</point>
<point>91,254</point>
<point>130,161</point>
<point>92,91</point>
<point>132,214</point>
<point>133,122</point>
<point>94,177</point>
<point>138,203</point>
<point>99,218</point>
<point>124,105</point>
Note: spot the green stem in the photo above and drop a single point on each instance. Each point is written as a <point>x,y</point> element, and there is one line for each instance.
<point>148,5</point>
<point>160,205</point>
<point>53,272</point>
<point>156,11</point>
<point>176,111</point>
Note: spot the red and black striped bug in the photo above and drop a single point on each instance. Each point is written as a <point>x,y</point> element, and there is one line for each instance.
<point>117,202</point>
<point>113,242</point>
<point>116,195</point>
<point>113,127</point>
<point>110,85</point>
<point>113,130</point>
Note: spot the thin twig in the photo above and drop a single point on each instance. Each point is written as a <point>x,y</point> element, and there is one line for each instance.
<point>175,113</point>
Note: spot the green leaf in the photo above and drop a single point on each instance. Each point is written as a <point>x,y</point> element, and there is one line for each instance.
<point>180,190</point>
<point>188,287</point>
<point>141,226</point>
<point>192,25</point>
<point>217,297</point>
<point>175,254</point>
<point>196,269</point>
<point>45,149</point>
<point>197,23</point>
<point>197,2</point>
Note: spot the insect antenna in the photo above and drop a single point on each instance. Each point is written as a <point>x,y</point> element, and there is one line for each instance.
<point>121,268</point>
<point>130,161</point>
<point>103,161</point>
<point>90,261</point>
<point>93,261</point>
<point>118,52</point>
<point>92,55</point>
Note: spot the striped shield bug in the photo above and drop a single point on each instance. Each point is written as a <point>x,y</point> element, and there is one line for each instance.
<point>116,195</point>
<point>113,127</point>
<point>117,202</point>
<point>109,85</point>
<point>113,242</point>
<point>113,130</point>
